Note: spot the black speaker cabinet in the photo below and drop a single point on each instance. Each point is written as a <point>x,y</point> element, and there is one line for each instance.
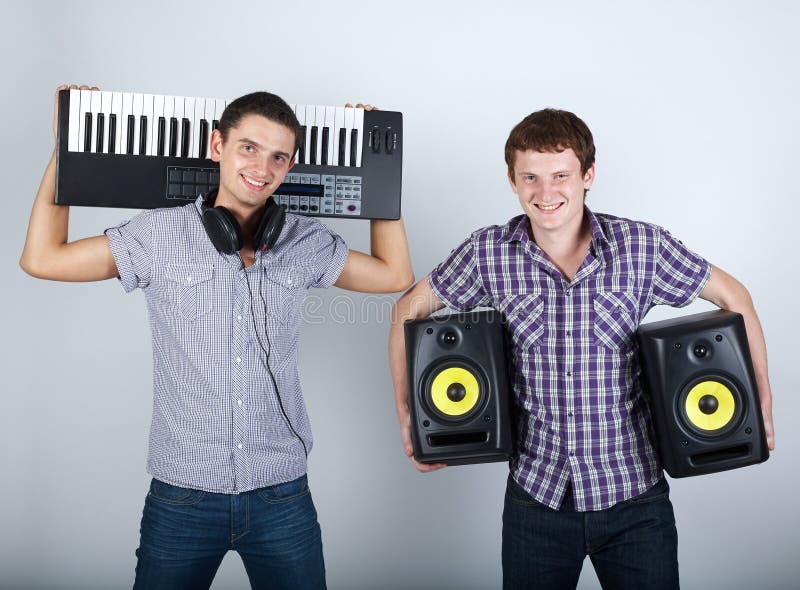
<point>459,394</point>
<point>698,377</point>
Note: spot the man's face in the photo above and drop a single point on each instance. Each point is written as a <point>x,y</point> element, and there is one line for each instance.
<point>253,161</point>
<point>551,188</point>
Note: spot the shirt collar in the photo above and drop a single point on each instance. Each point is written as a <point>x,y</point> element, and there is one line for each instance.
<point>518,230</point>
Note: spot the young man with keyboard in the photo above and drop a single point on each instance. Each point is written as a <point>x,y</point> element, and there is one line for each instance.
<point>224,279</point>
<point>572,286</point>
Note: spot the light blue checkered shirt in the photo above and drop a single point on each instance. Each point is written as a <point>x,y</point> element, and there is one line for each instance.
<point>217,424</point>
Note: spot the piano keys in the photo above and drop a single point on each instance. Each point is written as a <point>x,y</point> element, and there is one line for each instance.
<point>121,149</point>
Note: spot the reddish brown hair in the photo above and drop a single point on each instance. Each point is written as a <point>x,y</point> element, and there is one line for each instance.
<point>551,130</point>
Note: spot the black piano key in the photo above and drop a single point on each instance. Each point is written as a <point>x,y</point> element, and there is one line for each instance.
<point>342,139</point>
<point>214,124</point>
<point>112,134</point>
<point>143,136</point>
<point>314,133</point>
<point>325,139</point>
<point>353,146</point>
<point>129,140</point>
<point>173,137</point>
<point>87,135</point>
<point>203,138</point>
<point>162,124</point>
<point>301,157</point>
<point>101,124</point>
<point>185,138</point>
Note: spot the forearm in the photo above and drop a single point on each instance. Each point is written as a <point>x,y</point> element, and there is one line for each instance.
<point>48,225</point>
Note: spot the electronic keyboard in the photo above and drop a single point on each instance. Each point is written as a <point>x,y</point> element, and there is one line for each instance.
<point>121,149</point>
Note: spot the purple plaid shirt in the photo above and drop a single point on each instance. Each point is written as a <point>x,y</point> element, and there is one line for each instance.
<point>582,414</point>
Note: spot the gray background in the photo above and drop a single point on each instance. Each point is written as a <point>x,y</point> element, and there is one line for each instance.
<point>694,110</point>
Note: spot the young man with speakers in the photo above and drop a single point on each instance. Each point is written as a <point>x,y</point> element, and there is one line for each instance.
<point>224,279</point>
<point>572,286</point>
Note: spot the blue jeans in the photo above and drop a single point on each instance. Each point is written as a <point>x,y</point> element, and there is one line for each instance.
<point>633,544</point>
<point>185,533</point>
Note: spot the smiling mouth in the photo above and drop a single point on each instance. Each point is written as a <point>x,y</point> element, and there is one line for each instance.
<point>548,208</point>
<point>252,182</point>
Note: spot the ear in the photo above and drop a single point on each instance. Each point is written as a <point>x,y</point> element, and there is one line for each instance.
<point>216,145</point>
<point>511,181</point>
<point>588,178</point>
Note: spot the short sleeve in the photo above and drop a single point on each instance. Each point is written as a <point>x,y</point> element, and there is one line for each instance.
<point>330,255</point>
<point>457,282</point>
<point>132,246</point>
<point>680,273</point>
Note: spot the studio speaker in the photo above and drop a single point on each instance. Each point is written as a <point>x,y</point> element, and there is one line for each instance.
<point>459,393</point>
<point>698,378</point>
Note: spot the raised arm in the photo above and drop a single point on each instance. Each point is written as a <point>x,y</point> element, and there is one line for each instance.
<point>388,269</point>
<point>417,303</point>
<point>727,293</point>
<point>47,253</point>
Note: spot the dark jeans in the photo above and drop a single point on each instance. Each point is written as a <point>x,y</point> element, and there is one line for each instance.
<point>633,544</point>
<point>185,534</point>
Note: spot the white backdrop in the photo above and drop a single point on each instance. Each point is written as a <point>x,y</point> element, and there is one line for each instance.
<point>694,111</point>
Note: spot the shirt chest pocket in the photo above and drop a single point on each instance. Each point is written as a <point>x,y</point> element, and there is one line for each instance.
<point>284,290</point>
<point>190,290</point>
<point>524,319</point>
<point>615,319</point>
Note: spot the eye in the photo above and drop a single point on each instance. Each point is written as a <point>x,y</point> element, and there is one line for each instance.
<point>561,175</point>
<point>528,177</point>
<point>248,148</point>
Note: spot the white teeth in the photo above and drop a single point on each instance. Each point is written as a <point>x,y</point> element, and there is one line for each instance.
<point>253,182</point>
<point>549,207</point>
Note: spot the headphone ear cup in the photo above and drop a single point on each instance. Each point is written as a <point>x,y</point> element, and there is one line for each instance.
<point>222,229</point>
<point>270,227</point>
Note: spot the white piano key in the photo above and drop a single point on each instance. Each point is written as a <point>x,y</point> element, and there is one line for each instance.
<point>116,110</point>
<point>96,107</point>
<point>211,105</point>
<point>127,108</point>
<point>300,113</point>
<point>188,113</point>
<point>105,108</point>
<point>330,121</point>
<point>349,116</point>
<point>199,113</point>
<point>169,114</point>
<point>147,111</point>
<point>73,142</point>
<point>158,113</point>
<point>138,106</point>
<point>319,123</point>
<point>86,107</point>
<point>338,125</point>
<point>310,118</point>
<point>219,108</point>
<point>358,125</point>
<point>180,114</point>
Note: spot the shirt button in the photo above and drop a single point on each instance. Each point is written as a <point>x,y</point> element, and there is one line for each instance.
<point>569,373</point>
<point>188,280</point>
<point>240,403</point>
<point>571,453</point>
<point>569,333</point>
<point>239,446</point>
<point>238,317</point>
<point>568,414</point>
<point>238,359</point>
<point>288,281</point>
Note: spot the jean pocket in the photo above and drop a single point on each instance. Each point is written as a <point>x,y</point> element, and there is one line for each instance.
<point>660,491</point>
<point>615,319</point>
<point>175,495</point>
<point>516,493</point>
<point>191,290</point>
<point>285,492</point>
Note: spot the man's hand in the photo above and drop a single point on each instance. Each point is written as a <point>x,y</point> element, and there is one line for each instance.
<point>55,102</point>
<point>404,417</point>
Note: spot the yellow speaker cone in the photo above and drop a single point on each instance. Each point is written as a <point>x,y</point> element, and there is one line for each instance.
<point>455,391</point>
<point>710,405</point>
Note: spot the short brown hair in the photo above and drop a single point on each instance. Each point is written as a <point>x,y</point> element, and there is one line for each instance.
<point>268,105</point>
<point>551,130</point>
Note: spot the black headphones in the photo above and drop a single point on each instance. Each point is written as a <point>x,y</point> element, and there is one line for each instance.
<point>224,232</point>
